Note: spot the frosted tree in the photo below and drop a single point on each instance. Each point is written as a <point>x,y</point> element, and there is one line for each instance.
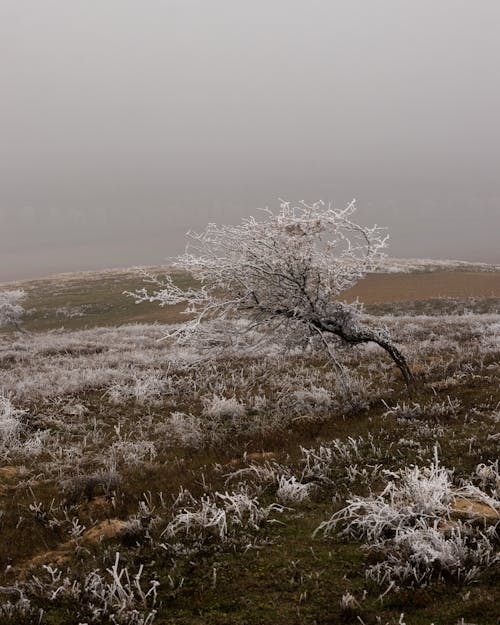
<point>287,271</point>
<point>11,310</point>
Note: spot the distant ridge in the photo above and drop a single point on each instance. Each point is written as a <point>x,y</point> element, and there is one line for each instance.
<point>425,265</point>
<point>387,265</point>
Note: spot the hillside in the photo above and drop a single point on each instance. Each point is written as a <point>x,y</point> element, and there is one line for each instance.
<point>147,483</point>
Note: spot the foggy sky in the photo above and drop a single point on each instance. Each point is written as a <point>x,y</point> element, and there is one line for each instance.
<point>123,123</point>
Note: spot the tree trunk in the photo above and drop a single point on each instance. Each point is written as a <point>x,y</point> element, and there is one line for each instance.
<point>361,334</point>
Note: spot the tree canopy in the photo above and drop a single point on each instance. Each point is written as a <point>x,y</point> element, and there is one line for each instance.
<point>287,270</point>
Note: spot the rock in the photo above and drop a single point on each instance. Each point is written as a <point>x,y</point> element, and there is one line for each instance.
<point>472,508</point>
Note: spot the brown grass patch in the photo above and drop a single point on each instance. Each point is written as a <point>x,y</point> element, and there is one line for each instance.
<point>377,288</point>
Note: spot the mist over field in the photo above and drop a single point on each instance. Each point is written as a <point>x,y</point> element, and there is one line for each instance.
<point>125,125</point>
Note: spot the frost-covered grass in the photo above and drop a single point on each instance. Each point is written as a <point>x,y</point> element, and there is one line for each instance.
<point>212,471</point>
<point>412,524</point>
<point>10,423</point>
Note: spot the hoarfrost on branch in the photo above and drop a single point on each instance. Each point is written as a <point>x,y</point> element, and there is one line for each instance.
<point>287,271</point>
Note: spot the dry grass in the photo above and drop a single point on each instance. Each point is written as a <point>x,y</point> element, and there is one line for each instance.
<point>379,288</point>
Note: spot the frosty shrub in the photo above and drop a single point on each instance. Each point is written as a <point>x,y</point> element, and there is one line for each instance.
<point>285,272</point>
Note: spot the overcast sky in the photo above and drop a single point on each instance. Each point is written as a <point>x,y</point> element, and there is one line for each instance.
<point>123,123</point>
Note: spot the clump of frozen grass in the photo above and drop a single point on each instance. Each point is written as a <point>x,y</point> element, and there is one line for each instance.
<point>220,516</point>
<point>321,463</point>
<point>144,388</point>
<point>290,490</point>
<point>130,453</point>
<point>117,595</point>
<point>314,399</point>
<point>224,408</point>
<point>410,524</point>
<point>489,477</point>
<point>412,493</point>
<point>417,555</point>
<point>434,409</point>
<point>259,475</point>
<point>183,429</point>
<point>19,608</point>
<point>10,422</point>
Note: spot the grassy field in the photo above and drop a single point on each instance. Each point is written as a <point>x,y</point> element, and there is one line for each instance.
<point>383,288</point>
<point>215,477</point>
<point>78,301</point>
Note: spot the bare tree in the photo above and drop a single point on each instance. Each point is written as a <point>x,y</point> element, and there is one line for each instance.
<point>286,270</point>
<point>11,310</point>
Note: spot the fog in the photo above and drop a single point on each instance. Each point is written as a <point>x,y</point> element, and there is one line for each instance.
<point>124,123</point>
